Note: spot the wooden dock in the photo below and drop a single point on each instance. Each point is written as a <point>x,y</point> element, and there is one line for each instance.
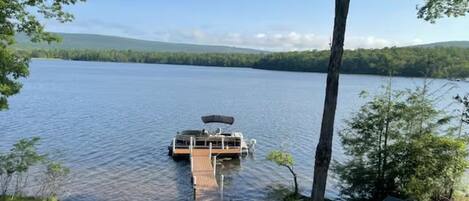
<point>203,168</point>
<point>203,174</point>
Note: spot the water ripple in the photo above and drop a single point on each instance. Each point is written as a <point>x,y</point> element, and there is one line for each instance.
<point>111,123</point>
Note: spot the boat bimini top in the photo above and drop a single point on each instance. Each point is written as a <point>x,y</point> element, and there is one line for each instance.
<point>218,119</point>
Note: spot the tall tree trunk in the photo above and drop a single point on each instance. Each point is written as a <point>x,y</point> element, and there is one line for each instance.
<point>294,180</point>
<point>324,147</point>
<point>382,192</point>
<point>461,122</point>
<point>380,159</point>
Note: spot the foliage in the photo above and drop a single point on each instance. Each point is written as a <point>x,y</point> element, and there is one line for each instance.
<point>415,62</point>
<point>17,16</point>
<point>12,67</point>
<point>15,166</point>
<point>203,59</point>
<point>434,9</point>
<point>400,145</point>
<point>53,179</point>
<point>396,131</point>
<point>281,158</point>
<point>438,163</point>
<point>284,159</point>
<point>20,198</point>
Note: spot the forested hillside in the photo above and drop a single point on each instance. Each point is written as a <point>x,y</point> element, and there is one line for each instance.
<point>462,44</point>
<point>102,42</point>
<point>415,62</point>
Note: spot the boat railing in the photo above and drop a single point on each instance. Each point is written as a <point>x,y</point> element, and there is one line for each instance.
<point>218,142</point>
<point>208,146</point>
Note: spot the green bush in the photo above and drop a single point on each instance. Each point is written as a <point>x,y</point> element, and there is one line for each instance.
<point>399,144</point>
<point>14,172</point>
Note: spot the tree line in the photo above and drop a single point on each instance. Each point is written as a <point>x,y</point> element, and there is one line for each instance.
<point>181,58</point>
<point>442,62</point>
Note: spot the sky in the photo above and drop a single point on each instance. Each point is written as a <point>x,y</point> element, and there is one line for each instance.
<point>275,25</point>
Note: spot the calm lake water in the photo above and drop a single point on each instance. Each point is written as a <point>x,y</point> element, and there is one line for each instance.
<point>111,123</point>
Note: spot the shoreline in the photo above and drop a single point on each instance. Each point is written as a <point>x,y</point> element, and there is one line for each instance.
<point>240,67</point>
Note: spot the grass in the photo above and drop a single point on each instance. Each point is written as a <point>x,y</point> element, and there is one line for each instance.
<point>461,197</point>
<point>18,198</point>
<point>24,198</point>
<point>293,197</point>
<point>284,193</point>
<point>462,192</point>
<point>300,197</point>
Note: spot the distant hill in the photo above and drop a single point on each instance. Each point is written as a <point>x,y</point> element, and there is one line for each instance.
<point>461,44</point>
<point>102,42</point>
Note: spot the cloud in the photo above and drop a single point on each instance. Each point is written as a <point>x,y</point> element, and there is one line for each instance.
<point>267,41</point>
<point>373,42</point>
<point>280,41</point>
<point>368,42</point>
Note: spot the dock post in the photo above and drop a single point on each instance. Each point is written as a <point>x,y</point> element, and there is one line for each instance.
<point>192,165</point>
<point>174,146</point>
<point>195,188</point>
<point>221,187</point>
<point>190,145</point>
<point>240,145</point>
<point>210,152</point>
<point>223,142</point>
<point>214,165</point>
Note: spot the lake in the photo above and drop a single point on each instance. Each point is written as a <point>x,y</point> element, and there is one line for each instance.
<point>111,123</point>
